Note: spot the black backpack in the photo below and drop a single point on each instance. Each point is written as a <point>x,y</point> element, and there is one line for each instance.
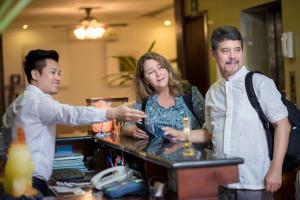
<point>187,96</point>
<point>292,157</point>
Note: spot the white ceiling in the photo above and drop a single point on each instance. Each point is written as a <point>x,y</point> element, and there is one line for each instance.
<point>55,12</point>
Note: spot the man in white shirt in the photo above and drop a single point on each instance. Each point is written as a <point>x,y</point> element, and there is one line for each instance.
<point>38,113</point>
<point>235,127</point>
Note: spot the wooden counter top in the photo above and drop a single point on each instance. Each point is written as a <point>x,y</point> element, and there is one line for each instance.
<point>168,155</point>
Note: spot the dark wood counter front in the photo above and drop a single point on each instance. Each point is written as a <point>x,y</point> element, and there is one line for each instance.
<point>91,196</point>
<point>194,177</point>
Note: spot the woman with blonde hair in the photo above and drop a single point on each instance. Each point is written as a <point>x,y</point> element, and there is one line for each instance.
<point>160,93</point>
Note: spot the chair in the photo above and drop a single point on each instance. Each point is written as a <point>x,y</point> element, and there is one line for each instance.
<point>110,126</point>
<point>5,140</point>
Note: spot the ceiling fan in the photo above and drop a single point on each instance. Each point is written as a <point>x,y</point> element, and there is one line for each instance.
<point>88,16</point>
<point>89,27</point>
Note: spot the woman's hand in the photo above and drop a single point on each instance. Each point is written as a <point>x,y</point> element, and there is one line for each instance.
<point>139,133</point>
<point>141,144</point>
<point>177,135</point>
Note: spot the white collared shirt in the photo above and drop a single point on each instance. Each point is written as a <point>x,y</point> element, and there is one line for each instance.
<point>38,113</point>
<point>236,128</point>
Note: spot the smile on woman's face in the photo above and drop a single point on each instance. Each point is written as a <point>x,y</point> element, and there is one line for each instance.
<point>156,75</point>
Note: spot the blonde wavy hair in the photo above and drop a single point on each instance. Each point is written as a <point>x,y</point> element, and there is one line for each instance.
<point>144,90</point>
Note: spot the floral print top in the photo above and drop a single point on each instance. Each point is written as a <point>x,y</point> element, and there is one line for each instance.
<point>172,116</point>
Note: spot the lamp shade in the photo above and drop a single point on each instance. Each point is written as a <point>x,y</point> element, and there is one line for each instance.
<point>89,29</point>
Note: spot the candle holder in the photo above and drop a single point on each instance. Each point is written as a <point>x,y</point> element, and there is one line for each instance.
<point>188,150</point>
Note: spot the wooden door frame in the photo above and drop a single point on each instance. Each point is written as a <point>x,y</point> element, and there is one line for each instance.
<point>181,40</point>
<point>274,25</point>
<point>179,8</point>
<point>2,108</point>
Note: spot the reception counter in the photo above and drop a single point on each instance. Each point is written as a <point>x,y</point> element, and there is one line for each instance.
<point>189,177</point>
<point>186,177</point>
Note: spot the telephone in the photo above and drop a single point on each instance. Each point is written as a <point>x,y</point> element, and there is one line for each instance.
<point>119,181</point>
<point>109,176</point>
<point>287,41</point>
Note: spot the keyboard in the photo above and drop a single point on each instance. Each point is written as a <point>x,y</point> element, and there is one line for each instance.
<point>67,174</point>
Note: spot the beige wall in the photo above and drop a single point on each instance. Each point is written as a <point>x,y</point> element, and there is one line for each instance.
<point>86,61</point>
<point>290,18</point>
<point>221,13</point>
<point>225,12</point>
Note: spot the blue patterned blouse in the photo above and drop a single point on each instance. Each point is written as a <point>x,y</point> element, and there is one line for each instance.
<point>172,116</point>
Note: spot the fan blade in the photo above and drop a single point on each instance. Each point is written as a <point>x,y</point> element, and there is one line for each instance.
<point>70,26</point>
<point>62,26</point>
<point>117,24</point>
<point>158,11</point>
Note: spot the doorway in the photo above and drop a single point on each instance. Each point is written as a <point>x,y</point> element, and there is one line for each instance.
<point>261,27</point>
<point>196,70</point>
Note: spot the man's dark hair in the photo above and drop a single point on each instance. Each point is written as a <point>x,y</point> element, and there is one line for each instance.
<point>224,33</point>
<point>35,60</point>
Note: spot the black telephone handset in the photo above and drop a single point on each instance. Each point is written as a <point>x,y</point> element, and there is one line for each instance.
<point>142,126</point>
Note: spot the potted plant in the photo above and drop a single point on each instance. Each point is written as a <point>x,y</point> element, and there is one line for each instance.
<point>127,67</point>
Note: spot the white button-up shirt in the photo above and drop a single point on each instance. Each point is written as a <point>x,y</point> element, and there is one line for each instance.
<point>38,113</point>
<point>236,128</point>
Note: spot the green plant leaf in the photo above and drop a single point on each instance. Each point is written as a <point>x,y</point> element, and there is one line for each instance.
<point>122,78</point>
<point>151,46</point>
<point>127,68</point>
<point>127,63</point>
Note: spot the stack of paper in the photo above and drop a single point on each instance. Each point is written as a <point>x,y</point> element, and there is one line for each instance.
<point>65,158</point>
<point>74,161</point>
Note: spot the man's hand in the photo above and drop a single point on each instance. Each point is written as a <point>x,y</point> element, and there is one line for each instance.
<point>177,135</point>
<point>273,180</point>
<point>174,147</point>
<point>125,113</point>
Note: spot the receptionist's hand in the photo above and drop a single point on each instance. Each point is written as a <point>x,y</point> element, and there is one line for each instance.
<point>139,133</point>
<point>125,112</point>
<point>177,135</point>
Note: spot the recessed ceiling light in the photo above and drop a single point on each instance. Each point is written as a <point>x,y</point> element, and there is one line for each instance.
<point>25,26</point>
<point>167,23</point>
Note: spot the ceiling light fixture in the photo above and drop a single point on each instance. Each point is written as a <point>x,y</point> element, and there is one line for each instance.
<point>89,27</point>
<point>167,23</point>
<point>25,26</point>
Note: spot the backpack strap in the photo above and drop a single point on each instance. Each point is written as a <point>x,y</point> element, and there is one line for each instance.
<point>144,102</point>
<point>144,105</point>
<point>255,104</point>
<point>188,99</point>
